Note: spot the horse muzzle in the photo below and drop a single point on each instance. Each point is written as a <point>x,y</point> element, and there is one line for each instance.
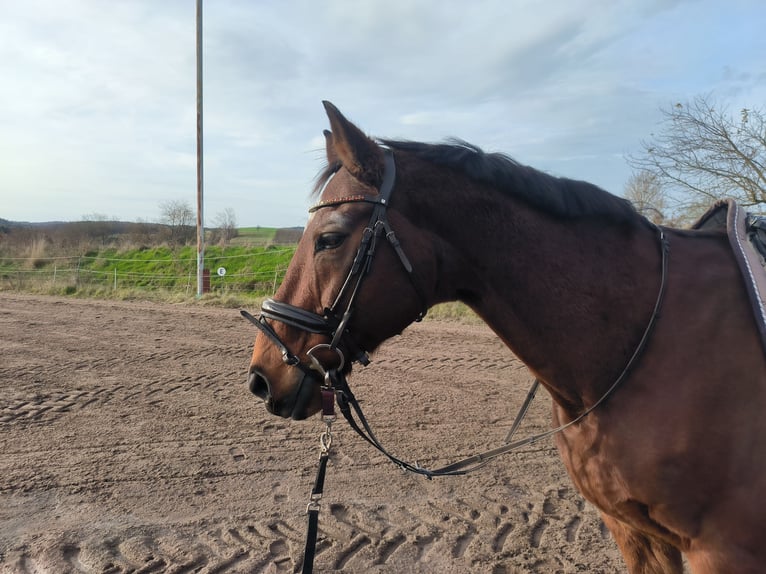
<point>300,403</point>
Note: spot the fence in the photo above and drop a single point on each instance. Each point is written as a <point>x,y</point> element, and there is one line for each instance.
<point>259,273</point>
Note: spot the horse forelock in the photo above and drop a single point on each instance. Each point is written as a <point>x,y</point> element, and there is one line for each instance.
<point>324,176</point>
<point>561,197</point>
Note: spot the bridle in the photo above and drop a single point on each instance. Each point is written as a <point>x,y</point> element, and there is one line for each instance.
<point>334,322</point>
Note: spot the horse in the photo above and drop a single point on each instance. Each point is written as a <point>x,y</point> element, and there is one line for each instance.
<point>584,290</point>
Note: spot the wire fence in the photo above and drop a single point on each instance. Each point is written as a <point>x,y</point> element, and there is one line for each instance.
<point>259,273</point>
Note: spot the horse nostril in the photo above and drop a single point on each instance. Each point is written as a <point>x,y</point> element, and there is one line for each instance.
<point>258,384</point>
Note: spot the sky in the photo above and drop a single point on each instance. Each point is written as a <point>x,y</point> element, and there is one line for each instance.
<point>98,97</point>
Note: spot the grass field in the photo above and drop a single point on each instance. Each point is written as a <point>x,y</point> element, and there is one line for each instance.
<point>254,236</point>
<point>256,270</point>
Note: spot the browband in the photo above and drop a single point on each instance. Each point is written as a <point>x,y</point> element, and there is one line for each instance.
<point>348,199</point>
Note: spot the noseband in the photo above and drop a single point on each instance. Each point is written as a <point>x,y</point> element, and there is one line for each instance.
<point>334,321</point>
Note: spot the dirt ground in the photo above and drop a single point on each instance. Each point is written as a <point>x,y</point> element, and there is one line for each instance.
<point>130,443</point>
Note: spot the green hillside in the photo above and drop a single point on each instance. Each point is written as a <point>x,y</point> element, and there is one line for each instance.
<point>256,270</point>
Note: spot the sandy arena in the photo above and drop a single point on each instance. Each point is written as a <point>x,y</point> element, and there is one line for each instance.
<point>130,443</point>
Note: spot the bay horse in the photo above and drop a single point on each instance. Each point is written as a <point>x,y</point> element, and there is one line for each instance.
<point>585,291</point>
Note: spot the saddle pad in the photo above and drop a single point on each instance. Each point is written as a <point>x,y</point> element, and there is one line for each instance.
<point>747,234</point>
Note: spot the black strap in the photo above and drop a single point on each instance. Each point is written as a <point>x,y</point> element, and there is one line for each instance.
<point>313,513</point>
<point>311,542</point>
<point>297,317</point>
<point>377,226</point>
<point>523,410</point>
<point>288,357</point>
<point>348,404</point>
<point>312,509</point>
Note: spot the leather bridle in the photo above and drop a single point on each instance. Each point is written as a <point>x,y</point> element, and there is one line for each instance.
<point>334,322</point>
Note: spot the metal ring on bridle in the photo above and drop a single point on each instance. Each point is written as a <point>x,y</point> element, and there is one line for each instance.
<point>315,362</point>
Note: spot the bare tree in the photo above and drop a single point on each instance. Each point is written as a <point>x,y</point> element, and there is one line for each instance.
<point>180,218</point>
<point>97,227</point>
<point>226,225</point>
<point>706,154</point>
<point>646,193</point>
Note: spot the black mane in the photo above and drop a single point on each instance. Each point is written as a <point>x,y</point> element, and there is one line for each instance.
<point>562,197</point>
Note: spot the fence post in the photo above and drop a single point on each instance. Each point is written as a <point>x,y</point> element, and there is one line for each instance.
<point>54,276</point>
<point>115,279</point>
<point>274,285</point>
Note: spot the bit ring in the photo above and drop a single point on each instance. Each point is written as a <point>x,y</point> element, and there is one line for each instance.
<point>315,364</point>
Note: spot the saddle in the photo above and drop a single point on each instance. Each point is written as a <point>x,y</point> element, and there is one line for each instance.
<point>747,236</point>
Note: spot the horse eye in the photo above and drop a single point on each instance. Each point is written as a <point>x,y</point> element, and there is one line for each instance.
<point>329,241</point>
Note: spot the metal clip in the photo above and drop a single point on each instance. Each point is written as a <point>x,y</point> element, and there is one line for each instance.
<point>313,504</point>
<point>325,439</point>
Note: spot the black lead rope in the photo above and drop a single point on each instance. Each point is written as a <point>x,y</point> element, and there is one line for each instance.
<point>312,509</point>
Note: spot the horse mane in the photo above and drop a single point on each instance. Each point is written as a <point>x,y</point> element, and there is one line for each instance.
<point>558,196</point>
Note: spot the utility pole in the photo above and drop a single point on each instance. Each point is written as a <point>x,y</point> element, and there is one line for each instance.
<point>200,174</point>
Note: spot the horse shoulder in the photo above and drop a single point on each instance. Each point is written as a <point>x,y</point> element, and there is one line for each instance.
<point>676,452</point>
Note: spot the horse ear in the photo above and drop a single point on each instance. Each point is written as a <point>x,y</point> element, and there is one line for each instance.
<point>360,155</point>
<point>332,157</point>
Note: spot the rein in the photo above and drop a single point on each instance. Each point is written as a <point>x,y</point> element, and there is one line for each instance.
<point>348,404</point>
<point>334,324</point>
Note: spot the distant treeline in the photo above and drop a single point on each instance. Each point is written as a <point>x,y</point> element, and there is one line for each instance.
<point>69,238</point>
<point>64,238</point>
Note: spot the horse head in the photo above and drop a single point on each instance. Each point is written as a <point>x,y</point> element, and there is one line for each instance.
<point>358,276</point>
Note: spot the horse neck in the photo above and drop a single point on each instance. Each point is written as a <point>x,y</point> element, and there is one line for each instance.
<point>571,298</point>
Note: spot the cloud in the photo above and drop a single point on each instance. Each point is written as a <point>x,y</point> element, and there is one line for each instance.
<point>100,113</point>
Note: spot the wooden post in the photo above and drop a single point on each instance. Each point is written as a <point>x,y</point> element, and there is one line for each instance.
<point>200,173</point>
